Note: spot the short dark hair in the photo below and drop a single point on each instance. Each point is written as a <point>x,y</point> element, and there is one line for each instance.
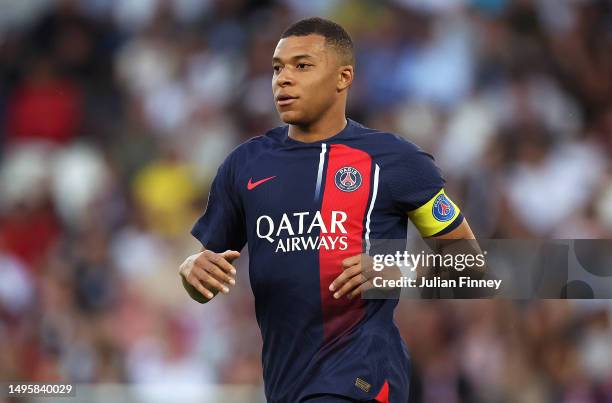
<point>334,35</point>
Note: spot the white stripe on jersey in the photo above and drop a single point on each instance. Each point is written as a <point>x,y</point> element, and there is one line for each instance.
<point>320,174</point>
<point>374,193</point>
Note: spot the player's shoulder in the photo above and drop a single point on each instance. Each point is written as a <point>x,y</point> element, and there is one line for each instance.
<point>390,142</point>
<point>255,145</point>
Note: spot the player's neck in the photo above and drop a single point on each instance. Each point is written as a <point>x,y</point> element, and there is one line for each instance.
<point>320,130</point>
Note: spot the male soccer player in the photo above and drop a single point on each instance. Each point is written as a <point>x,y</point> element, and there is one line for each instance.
<point>308,197</point>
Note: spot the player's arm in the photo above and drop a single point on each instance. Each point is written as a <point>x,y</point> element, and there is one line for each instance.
<point>452,235</point>
<point>207,273</point>
<point>440,219</point>
<point>463,231</point>
<point>220,228</point>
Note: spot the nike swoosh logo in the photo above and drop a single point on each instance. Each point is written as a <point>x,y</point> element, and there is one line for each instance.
<point>252,185</point>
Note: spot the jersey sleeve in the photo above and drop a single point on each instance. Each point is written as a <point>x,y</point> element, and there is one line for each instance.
<point>222,226</point>
<point>417,188</point>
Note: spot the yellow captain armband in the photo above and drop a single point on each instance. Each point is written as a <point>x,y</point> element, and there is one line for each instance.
<point>435,215</point>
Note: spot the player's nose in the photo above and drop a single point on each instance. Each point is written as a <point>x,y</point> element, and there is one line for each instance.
<point>284,79</point>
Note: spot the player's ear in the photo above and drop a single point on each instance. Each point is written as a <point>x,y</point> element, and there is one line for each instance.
<point>345,77</point>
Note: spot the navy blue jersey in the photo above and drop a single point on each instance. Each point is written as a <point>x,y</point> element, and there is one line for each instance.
<point>302,208</point>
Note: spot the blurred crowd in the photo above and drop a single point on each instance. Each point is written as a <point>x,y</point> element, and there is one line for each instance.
<point>115,114</point>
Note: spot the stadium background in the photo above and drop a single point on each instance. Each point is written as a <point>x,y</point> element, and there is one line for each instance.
<point>116,113</point>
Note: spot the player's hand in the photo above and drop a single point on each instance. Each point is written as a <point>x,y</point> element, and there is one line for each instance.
<point>357,276</point>
<point>209,272</point>
<point>356,273</point>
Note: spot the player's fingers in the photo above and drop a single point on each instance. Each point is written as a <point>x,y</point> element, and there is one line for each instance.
<point>195,280</point>
<point>350,285</point>
<point>206,293</point>
<point>218,273</point>
<point>224,264</point>
<point>205,268</point>
<point>216,259</point>
<point>343,277</point>
<point>198,275</point>
<point>367,262</point>
<point>363,287</point>
<point>209,281</point>
<point>230,255</point>
<point>368,270</point>
<point>350,261</point>
<point>212,282</point>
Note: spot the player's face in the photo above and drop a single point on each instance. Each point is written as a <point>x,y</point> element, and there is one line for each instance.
<point>305,78</point>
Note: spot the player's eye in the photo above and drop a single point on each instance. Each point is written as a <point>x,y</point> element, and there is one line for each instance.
<point>276,68</point>
<point>302,66</point>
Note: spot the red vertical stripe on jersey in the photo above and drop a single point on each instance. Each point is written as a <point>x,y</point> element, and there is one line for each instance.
<point>339,315</point>
<point>383,395</point>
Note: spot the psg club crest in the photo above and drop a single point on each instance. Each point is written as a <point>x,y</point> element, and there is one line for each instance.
<point>443,210</point>
<point>347,179</point>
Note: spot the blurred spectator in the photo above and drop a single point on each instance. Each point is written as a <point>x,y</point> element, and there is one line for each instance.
<point>44,106</point>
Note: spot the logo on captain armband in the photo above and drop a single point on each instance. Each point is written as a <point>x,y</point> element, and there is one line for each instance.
<point>442,209</point>
<point>347,179</point>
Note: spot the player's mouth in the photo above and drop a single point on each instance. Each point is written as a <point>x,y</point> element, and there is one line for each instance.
<point>284,99</point>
